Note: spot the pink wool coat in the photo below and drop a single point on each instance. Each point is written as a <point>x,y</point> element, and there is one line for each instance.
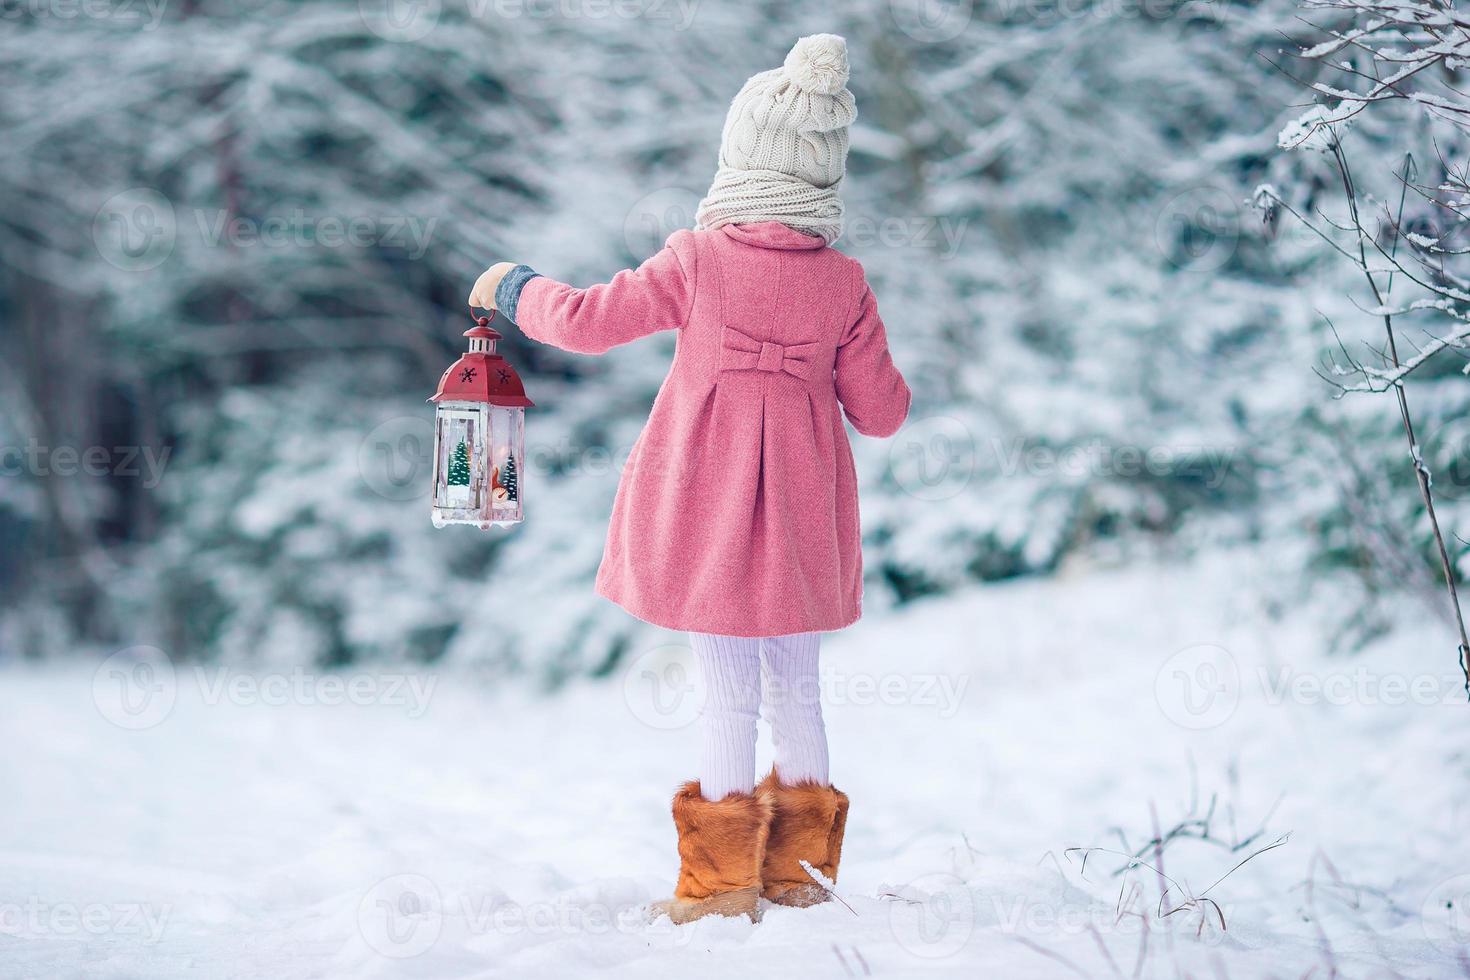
<point>737,512</point>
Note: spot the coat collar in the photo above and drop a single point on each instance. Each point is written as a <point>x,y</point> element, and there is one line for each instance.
<point>772,234</point>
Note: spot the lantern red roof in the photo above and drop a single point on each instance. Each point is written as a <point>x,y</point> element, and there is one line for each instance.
<point>482,375</point>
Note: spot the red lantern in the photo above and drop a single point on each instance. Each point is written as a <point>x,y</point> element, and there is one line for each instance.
<point>479,437</point>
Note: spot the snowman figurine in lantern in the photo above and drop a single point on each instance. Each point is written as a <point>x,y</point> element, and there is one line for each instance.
<point>479,437</point>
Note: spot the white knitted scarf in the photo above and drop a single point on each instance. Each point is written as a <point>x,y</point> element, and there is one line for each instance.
<point>743,197</point>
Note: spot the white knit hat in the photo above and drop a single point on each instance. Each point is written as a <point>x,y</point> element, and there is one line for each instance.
<point>784,147</point>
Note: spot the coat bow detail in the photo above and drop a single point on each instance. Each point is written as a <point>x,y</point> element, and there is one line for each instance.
<point>742,352</point>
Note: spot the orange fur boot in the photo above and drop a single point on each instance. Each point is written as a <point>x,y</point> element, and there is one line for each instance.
<point>808,825</point>
<point>721,847</point>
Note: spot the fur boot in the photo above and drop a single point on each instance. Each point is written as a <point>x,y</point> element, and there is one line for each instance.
<point>721,847</point>
<point>807,826</point>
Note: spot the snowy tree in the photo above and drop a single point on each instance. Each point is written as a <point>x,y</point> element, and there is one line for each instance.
<point>459,466</point>
<point>508,478</point>
<point>1387,52</point>
<point>247,204</point>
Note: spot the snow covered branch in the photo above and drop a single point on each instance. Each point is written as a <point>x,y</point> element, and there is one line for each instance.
<point>1393,51</point>
<point>1403,42</point>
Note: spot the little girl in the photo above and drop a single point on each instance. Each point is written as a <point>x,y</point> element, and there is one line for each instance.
<point>737,515</point>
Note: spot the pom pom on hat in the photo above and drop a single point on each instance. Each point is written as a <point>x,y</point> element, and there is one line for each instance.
<point>818,64</point>
<point>784,147</point>
<point>794,118</point>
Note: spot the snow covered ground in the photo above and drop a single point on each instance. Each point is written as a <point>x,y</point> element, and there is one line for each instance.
<point>160,823</point>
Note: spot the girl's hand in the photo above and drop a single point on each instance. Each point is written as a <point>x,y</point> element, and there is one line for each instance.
<point>483,295</point>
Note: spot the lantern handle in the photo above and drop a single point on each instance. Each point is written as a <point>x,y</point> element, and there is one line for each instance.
<point>477,318</point>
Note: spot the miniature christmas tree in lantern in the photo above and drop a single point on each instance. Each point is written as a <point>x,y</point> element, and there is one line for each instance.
<point>508,478</point>
<point>459,475</point>
<point>479,434</point>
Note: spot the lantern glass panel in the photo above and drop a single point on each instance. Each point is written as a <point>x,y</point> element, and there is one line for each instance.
<point>478,459</point>
<point>457,447</point>
<point>507,445</point>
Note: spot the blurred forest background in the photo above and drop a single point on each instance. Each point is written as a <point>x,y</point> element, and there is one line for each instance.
<point>235,238</point>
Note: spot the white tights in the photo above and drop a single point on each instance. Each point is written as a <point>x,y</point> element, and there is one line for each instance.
<point>733,672</point>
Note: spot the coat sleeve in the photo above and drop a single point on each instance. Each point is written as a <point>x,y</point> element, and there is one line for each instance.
<point>658,295</point>
<point>873,394</point>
